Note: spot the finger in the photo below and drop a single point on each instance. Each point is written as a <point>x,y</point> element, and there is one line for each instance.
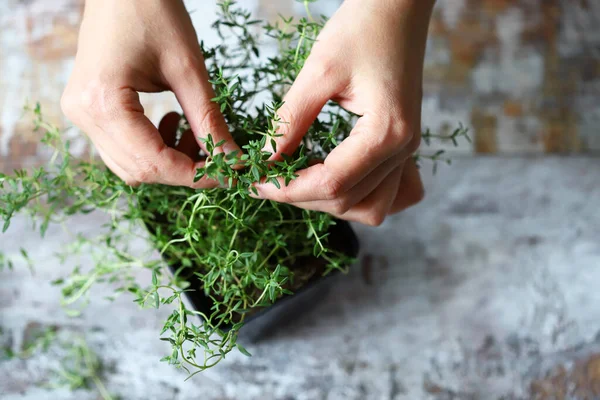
<point>314,86</point>
<point>143,153</point>
<point>411,189</point>
<point>114,167</point>
<point>194,92</point>
<point>369,145</point>
<point>355,195</point>
<point>374,209</point>
<point>155,162</point>
<point>117,170</point>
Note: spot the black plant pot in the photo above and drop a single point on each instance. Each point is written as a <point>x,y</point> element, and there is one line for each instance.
<point>266,321</point>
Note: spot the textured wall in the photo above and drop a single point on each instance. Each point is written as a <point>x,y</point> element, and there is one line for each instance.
<point>524,74</point>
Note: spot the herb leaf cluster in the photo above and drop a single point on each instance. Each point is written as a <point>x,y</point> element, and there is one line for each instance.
<point>241,252</point>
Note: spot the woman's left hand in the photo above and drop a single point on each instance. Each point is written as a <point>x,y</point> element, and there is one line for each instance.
<point>369,59</point>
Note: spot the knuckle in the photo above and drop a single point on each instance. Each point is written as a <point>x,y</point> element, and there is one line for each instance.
<point>96,99</point>
<point>375,219</point>
<point>324,69</point>
<point>140,175</point>
<point>281,194</point>
<point>341,206</point>
<point>332,188</point>
<point>210,119</point>
<point>398,136</point>
<point>68,103</point>
<point>146,170</point>
<point>402,134</point>
<point>285,195</point>
<point>188,65</point>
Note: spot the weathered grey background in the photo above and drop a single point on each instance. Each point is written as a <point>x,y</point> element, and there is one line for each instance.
<point>487,290</point>
<point>523,74</point>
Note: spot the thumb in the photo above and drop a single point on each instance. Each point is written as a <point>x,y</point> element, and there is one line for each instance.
<point>306,98</point>
<point>194,93</point>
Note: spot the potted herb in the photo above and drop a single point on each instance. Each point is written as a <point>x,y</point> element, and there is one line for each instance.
<point>237,259</point>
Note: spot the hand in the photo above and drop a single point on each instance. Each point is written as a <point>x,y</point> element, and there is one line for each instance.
<point>132,46</point>
<point>368,58</point>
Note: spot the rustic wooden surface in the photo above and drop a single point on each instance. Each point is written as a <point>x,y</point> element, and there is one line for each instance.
<point>524,75</point>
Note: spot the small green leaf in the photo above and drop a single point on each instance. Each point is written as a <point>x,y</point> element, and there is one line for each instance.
<point>44,226</point>
<point>72,313</point>
<point>275,182</point>
<point>243,350</point>
<point>255,174</point>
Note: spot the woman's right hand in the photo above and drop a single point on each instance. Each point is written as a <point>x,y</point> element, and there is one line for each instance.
<point>132,46</point>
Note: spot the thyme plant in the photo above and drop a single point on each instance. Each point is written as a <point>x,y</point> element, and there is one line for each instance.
<point>242,253</point>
